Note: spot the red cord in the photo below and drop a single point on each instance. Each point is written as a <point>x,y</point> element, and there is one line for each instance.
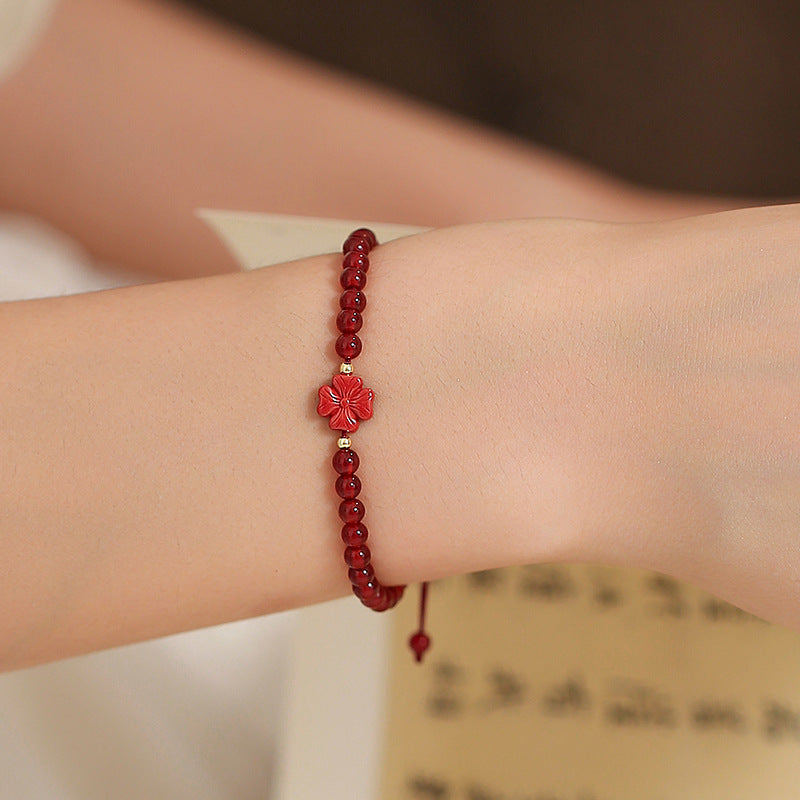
<point>420,641</point>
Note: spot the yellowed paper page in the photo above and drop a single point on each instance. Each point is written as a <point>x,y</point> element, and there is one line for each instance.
<point>582,682</point>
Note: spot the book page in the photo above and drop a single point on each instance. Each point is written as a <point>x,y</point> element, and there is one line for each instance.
<point>258,240</point>
<point>584,682</point>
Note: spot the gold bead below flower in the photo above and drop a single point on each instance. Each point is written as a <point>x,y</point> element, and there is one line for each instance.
<point>344,441</point>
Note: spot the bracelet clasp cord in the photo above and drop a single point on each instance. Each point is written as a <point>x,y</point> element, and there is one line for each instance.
<point>347,402</point>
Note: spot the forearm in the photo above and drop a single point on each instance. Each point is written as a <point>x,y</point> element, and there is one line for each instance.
<point>159,115</point>
<point>545,391</point>
<point>164,467</point>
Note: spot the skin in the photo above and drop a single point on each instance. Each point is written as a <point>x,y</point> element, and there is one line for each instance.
<point>631,401</point>
<point>624,393</point>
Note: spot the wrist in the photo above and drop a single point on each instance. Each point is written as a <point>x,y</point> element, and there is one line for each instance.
<point>698,324</point>
<point>474,334</point>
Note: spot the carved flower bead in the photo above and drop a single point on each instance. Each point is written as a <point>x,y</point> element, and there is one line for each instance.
<point>346,402</point>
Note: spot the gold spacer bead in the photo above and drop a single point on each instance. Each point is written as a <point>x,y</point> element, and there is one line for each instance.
<point>346,368</point>
<point>344,442</point>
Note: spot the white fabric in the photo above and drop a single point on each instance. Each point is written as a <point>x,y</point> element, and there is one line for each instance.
<point>190,716</point>
<point>21,22</point>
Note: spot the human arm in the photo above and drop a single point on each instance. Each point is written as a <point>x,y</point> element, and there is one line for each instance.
<point>615,393</point>
<point>127,116</point>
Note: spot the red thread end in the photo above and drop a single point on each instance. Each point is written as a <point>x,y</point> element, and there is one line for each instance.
<point>420,641</point>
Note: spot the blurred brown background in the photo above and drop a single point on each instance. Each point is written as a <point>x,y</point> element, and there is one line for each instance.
<point>698,95</point>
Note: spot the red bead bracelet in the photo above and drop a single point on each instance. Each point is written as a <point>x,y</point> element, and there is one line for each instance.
<point>347,402</point>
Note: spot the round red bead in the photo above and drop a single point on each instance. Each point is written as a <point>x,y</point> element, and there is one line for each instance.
<point>362,233</point>
<point>353,298</point>
<point>348,345</point>
<point>357,259</point>
<point>394,598</point>
<point>356,241</point>
<point>361,577</point>
<point>351,510</point>
<point>352,278</point>
<point>357,557</point>
<point>345,461</point>
<point>419,643</point>
<point>385,601</point>
<point>348,486</point>
<point>349,321</point>
<point>368,593</point>
<point>355,534</point>
<point>379,602</point>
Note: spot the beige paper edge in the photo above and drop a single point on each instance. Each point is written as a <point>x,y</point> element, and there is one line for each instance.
<point>257,240</point>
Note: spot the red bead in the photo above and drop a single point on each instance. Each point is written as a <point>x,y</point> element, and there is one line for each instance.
<point>419,643</point>
<point>368,593</point>
<point>357,259</point>
<point>349,321</point>
<point>357,557</point>
<point>392,596</point>
<point>361,233</point>
<point>356,242</point>
<point>348,486</point>
<point>345,461</point>
<point>355,534</point>
<point>348,345</point>
<point>387,599</point>
<point>352,278</point>
<point>361,577</point>
<point>351,510</point>
<point>379,603</point>
<point>353,298</point>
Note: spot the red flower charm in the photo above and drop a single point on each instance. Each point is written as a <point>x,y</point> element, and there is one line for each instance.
<point>346,402</point>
